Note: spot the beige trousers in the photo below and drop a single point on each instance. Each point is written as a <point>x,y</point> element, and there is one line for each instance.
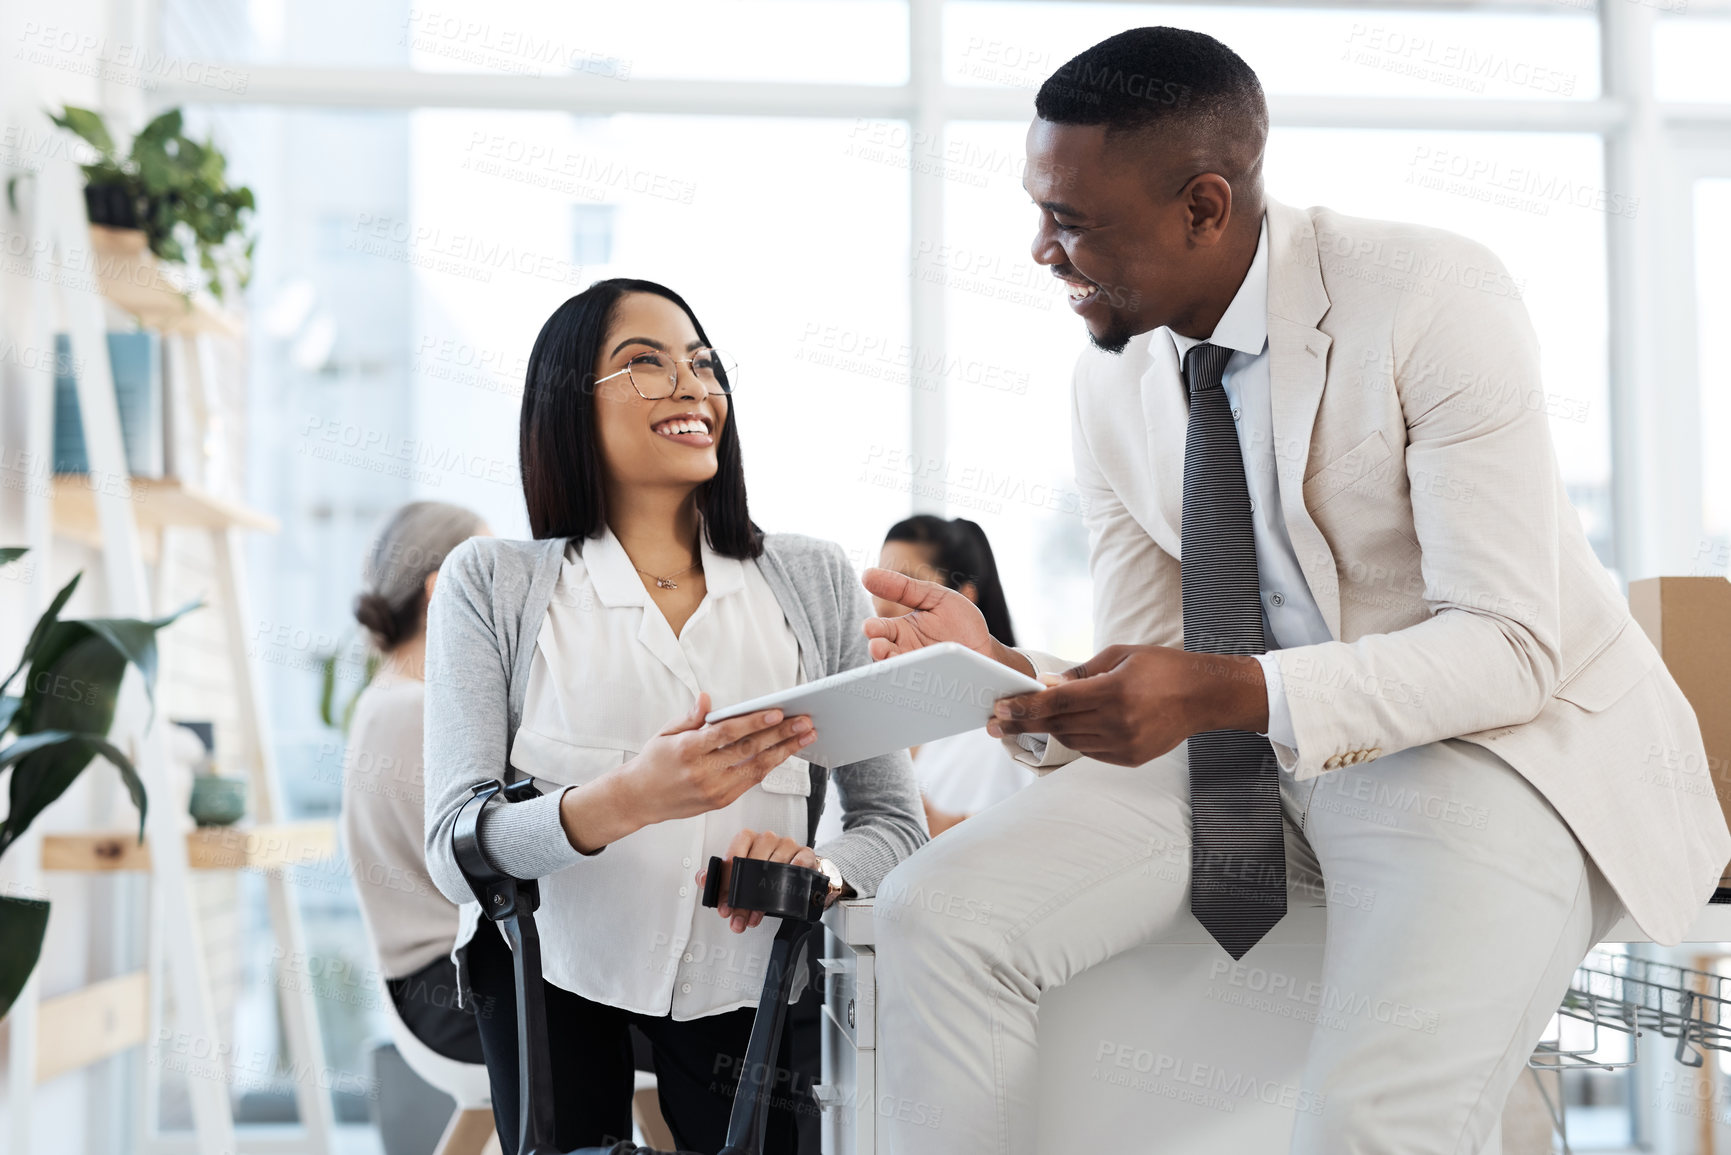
<point>1453,890</point>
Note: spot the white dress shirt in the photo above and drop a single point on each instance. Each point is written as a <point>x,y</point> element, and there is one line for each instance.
<point>1290,615</point>
<point>626,926</point>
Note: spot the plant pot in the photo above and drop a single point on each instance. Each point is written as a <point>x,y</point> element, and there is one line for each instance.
<point>23,923</point>
<point>218,801</point>
<point>111,205</point>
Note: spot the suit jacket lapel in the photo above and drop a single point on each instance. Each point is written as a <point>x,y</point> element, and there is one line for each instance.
<point>1297,371</point>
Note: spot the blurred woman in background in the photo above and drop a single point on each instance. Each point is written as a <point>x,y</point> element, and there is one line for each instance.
<point>961,775</point>
<point>411,926</point>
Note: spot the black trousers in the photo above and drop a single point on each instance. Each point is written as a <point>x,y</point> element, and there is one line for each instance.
<point>426,1001</point>
<point>697,1065</point>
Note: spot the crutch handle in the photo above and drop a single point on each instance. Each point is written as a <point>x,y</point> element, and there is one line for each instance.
<point>775,888</point>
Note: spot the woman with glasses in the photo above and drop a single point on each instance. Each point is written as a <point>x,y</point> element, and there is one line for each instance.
<point>587,659</point>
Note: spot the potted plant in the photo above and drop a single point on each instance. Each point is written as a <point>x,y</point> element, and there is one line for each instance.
<point>51,729</point>
<point>174,189</point>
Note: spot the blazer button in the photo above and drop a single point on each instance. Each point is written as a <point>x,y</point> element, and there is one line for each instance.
<point>1332,764</point>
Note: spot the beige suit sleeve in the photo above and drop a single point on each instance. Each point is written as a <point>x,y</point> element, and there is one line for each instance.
<point>1466,366</point>
<point>1137,589</point>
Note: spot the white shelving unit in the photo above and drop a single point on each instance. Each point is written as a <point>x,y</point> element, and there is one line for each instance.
<point>79,274</point>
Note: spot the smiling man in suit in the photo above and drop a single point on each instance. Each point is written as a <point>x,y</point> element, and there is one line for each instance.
<point>1356,643</point>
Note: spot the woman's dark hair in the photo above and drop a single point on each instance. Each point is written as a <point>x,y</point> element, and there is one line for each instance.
<point>560,453</point>
<point>961,554</point>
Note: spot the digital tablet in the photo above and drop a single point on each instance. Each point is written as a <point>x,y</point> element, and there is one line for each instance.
<point>915,697</point>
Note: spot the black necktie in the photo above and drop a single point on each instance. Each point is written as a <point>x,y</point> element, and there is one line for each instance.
<point>1237,848</point>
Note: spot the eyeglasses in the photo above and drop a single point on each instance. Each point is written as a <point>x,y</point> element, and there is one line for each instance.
<point>655,375</point>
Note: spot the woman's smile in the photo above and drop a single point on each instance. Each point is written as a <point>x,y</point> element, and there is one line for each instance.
<point>686,429</point>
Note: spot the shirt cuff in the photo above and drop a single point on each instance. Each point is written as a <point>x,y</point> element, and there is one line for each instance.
<point>1279,733</point>
<point>1040,752</point>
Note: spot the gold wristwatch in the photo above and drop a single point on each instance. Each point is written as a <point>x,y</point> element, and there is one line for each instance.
<point>836,885</point>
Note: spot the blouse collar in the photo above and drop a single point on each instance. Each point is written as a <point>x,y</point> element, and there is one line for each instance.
<point>616,580</point>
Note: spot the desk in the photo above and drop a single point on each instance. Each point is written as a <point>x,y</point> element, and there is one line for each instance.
<point>1142,1044</point>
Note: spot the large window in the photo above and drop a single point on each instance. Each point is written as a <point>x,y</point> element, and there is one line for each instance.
<point>835,187</point>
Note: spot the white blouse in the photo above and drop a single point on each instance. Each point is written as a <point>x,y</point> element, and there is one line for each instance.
<point>626,926</point>
<point>963,774</point>
<point>967,772</point>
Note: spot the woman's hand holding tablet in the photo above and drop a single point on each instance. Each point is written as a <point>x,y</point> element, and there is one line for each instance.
<point>690,768</point>
<point>917,696</point>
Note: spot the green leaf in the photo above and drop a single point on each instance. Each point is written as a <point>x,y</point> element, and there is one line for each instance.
<point>87,124</point>
<point>48,764</point>
<point>46,622</point>
<point>8,707</point>
<point>327,688</point>
<point>374,661</point>
<point>23,925</point>
<point>30,743</point>
<point>11,553</point>
<point>164,127</point>
<point>136,642</point>
<point>156,169</point>
<point>78,690</point>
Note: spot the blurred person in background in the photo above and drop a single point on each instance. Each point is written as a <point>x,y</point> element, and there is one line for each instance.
<point>586,659</point>
<point>961,775</point>
<point>410,925</point>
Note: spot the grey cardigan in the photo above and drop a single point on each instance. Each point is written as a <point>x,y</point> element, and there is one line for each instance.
<point>482,624</point>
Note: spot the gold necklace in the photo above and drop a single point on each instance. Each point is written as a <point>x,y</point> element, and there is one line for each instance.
<point>667,583</point>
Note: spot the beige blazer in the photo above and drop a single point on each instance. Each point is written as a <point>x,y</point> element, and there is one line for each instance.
<point>1436,537</point>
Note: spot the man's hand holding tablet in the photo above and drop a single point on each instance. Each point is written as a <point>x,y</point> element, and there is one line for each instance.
<point>1126,705</point>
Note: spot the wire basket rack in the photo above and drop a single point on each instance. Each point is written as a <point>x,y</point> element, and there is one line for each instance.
<point>1635,995</point>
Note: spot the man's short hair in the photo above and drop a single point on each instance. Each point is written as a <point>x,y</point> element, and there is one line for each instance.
<point>1158,77</point>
